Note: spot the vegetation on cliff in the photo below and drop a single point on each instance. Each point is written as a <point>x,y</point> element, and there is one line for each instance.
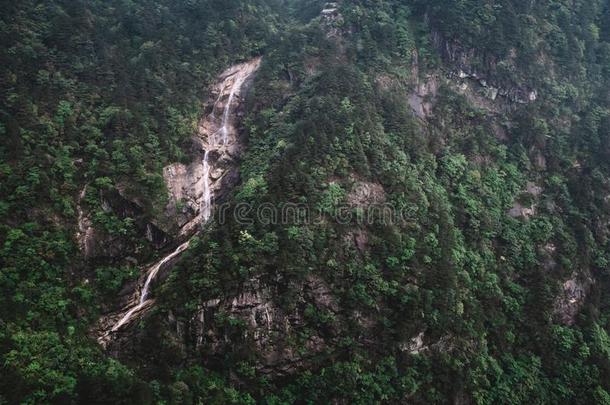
<point>493,289</point>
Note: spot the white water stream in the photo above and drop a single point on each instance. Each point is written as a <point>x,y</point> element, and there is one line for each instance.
<point>238,82</point>
<point>206,205</point>
<point>152,273</point>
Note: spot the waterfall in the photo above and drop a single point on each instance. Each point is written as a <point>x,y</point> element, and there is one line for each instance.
<point>237,84</point>
<point>127,317</point>
<point>225,118</point>
<point>206,206</point>
<point>239,75</point>
<point>204,215</point>
<point>152,273</point>
<point>149,233</point>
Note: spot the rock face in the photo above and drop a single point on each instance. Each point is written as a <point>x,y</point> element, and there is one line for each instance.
<point>415,345</point>
<point>252,320</point>
<point>572,298</point>
<point>422,99</point>
<point>266,327</point>
<point>365,194</point>
<point>86,233</point>
<point>96,244</point>
<point>331,19</point>
<point>461,58</point>
<point>523,209</point>
<point>476,84</point>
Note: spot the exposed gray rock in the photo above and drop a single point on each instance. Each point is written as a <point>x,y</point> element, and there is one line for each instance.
<point>533,189</point>
<point>548,256</point>
<point>269,329</point>
<point>331,19</point>
<point>96,243</point>
<point>526,211</point>
<point>462,58</point>
<point>572,298</point>
<point>422,99</point>
<point>185,182</point>
<point>85,233</point>
<point>364,194</point>
<point>418,344</point>
<point>415,345</point>
<point>520,211</point>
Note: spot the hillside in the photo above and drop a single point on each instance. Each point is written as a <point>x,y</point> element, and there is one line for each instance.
<point>284,201</point>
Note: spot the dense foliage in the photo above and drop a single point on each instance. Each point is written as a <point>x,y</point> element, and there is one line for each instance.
<point>105,94</point>
<point>100,93</point>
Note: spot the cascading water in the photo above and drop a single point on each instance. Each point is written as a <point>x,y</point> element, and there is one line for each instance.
<point>204,213</point>
<point>140,299</point>
<point>152,273</point>
<point>224,129</point>
<point>206,204</point>
<point>225,118</point>
<point>213,113</point>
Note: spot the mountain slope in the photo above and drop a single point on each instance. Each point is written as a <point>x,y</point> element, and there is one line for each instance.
<point>422,215</point>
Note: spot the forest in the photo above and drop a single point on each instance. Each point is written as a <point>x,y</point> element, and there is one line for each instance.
<point>487,121</point>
